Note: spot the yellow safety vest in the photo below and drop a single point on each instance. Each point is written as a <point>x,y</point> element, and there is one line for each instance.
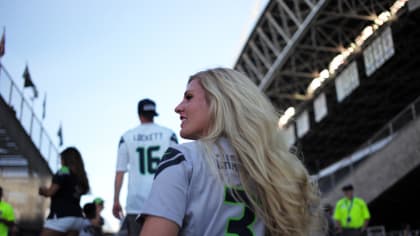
<point>6,212</point>
<point>351,213</point>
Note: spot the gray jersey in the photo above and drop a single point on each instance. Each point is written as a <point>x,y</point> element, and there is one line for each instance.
<point>186,191</point>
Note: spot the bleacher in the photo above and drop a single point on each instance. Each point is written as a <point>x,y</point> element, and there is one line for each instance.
<point>345,75</point>
<point>27,156</point>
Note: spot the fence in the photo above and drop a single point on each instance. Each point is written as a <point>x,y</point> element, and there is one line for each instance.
<point>24,112</point>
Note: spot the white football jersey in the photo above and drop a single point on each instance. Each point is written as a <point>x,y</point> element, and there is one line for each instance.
<point>187,192</point>
<point>139,152</point>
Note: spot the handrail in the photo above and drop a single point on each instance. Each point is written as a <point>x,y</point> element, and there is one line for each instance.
<point>32,125</point>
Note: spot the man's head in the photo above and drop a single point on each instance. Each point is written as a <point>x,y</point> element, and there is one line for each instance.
<point>146,108</point>
<point>348,191</point>
<point>89,209</point>
<point>99,202</point>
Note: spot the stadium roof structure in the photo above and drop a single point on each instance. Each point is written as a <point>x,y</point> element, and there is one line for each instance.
<point>297,51</point>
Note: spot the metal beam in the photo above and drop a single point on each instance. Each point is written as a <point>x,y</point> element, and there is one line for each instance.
<point>297,36</point>
<point>268,42</point>
<point>351,16</point>
<point>279,30</point>
<point>252,66</point>
<point>289,12</point>
<point>298,74</point>
<point>263,59</point>
<point>318,48</point>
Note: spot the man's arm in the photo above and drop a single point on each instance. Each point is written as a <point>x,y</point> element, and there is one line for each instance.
<point>8,223</point>
<point>365,225</point>
<point>337,216</point>
<point>116,209</point>
<point>366,215</point>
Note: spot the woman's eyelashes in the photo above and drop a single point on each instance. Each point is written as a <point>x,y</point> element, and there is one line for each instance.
<point>188,96</point>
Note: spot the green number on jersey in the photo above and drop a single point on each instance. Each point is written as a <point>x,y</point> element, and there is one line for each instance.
<point>148,157</point>
<point>239,226</point>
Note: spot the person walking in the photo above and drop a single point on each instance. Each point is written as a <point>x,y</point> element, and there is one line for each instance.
<point>68,185</point>
<point>351,213</point>
<point>237,177</point>
<point>139,152</point>
<point>7,217</point>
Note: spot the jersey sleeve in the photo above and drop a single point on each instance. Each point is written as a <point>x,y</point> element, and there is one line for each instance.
<point>365,211</point>
<point>9,214</point>
<point>122,156</point>
<point>337,211</point>
<point>173,139</point>
<point>60,176</point>
<point>168,197</point>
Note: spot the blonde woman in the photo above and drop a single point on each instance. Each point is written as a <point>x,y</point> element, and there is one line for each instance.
<point>237,177</point>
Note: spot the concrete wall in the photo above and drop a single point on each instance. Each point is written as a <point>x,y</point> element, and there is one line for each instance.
<point>384,168</point>
<point>29,207</point>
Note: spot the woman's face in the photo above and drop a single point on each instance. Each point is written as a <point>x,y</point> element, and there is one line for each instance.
<point>194,112</point>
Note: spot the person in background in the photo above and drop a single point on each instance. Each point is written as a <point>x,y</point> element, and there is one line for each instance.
<point>331,229</point>
<point>91,225</point>
<point>237,177</point>
<point>7,217</point>
<point>139,152</point>
<point>68,185</point>
<point>99,204</point>
<point>351,213</point>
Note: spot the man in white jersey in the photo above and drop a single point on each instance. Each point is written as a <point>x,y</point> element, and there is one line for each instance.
<point>139,152</point>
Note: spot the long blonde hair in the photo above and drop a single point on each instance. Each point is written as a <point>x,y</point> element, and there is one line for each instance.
<point>275,181</point>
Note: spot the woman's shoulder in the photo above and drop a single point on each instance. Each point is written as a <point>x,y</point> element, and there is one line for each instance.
<point>188,150</point>
<point>178,155</point>
<point>64,170</point>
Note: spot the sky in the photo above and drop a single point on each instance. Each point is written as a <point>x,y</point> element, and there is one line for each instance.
<point>95,59</point>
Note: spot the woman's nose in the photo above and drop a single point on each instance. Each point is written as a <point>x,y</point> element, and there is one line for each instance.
<point>178,108</point>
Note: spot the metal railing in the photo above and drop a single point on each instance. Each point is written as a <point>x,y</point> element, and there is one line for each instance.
<point>329,177</point>
<point>24,112</point>
<point>403,233</point>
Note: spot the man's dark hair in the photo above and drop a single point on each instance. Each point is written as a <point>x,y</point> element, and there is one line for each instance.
<point>90,210</point>
<point>348,187</point>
